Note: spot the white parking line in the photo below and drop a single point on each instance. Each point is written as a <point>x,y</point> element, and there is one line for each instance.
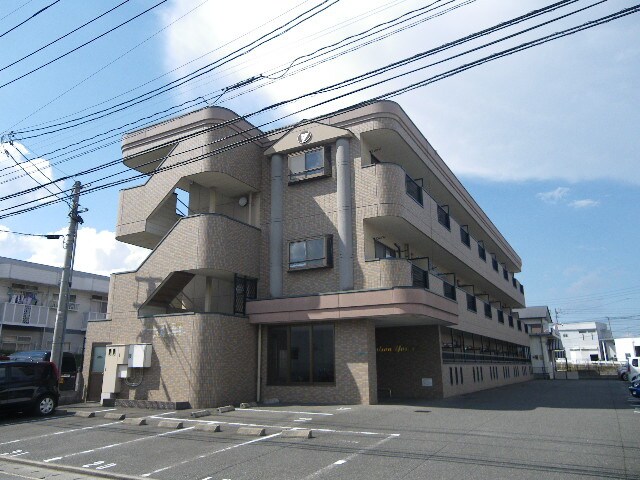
<point>282,411</point>
<point>281,427</point>
<point>350,457</point>
<point>117,444</point>
<point>35,437</point>
<point>211,453</point>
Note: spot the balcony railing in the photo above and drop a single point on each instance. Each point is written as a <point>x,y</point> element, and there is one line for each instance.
<point>487,310</point>
<point>31,315</point>
<point>413,189</point>
<point>443,217</point>
<point>419,277</point>
<point>471,303</point>
<point>94,316</point>
<point>71,306</point>
<point>464,236</point>
<point>459,357</point>
<point>449,290</point>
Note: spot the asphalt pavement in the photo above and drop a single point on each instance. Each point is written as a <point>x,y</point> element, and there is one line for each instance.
<point>561,429</point>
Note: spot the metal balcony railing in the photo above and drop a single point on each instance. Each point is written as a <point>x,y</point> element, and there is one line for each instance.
<point>413,189</point>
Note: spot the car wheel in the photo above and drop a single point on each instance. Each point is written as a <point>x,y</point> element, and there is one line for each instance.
<point>625,376</point>
<point>45,405</point>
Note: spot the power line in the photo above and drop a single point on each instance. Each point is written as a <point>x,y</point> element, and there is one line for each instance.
<point>273,34</point>
<point>387,95</point>
<point>441,48</point>
<point>119,57</point>
<point>63,36</point>
<point>16,9</point>
<point>49,236</point>
<point>29,18</point>
<point>83,45</point>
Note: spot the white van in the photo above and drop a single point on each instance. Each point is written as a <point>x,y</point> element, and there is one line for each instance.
<point>634,369</point>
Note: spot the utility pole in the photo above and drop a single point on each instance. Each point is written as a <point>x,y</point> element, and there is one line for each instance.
<point>65,283</point>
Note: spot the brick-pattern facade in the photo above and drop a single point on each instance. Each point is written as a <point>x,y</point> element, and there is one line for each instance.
<point>210,358</point>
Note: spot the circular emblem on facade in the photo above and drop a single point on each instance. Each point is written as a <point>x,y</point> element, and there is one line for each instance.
<point>304,137</point>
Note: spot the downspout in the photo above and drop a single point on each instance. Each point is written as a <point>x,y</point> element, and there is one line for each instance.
<point>259,375</point>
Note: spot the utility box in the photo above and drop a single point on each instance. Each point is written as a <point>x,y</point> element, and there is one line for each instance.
<point>116,355</point>
<point>140,355</point>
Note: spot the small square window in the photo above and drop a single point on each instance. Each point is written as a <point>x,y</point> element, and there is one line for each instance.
<point>310,164</point>
<point>311,253</point>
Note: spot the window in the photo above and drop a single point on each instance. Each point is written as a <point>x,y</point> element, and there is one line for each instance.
<point>310,164</point>
<point>482,253</point>
<point>23,373</point>
<point>526,328</point>
<point>471,303</point>
<point>300,354</point>
<point>464,235</point>
<point>519,325</point>
<point>500,316</point>
<point>419,277</point>
<point>513,281</point>
<point>487,310</point>
<point>443,216</point>
<point>449,290</point>
<point>505,274</point>
<point>382,251</point>
<point>414,190</point>
<point>311,253</point>
<point>521,289</point>
<point>510,321</point>
<point>494,262</point>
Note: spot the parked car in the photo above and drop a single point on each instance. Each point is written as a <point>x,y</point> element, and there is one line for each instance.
<point>634,369</point>
<point>623,372</point>
<point>634,389</point>
<point>68,369</point>
<point>28,386</point>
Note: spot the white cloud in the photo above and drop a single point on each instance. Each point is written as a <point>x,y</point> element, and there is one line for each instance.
<point>559,112</point>
<point>27,175</point>
<point>96,251</point>
<point>554,196</point>
<point>585,203</point>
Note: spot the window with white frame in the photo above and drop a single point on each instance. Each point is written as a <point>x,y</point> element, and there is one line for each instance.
<point>311,253</point>
<point>310,164</point>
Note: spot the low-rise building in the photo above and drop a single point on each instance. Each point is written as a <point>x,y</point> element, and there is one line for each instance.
<point>627,347</point>
<point>587,342</point>
<point>29,300</point>
<point>544,337</point>
<point>333,262</point>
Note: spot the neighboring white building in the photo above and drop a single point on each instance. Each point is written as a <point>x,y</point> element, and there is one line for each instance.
<point>627,347</point>
<point>29,299</point>
<point>587,342</point>
<point>544,337</point>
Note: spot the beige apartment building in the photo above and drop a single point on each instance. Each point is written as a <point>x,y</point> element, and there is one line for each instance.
<point>334,262</point>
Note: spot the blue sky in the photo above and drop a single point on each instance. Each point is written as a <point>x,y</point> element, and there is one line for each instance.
<point>545,139</point>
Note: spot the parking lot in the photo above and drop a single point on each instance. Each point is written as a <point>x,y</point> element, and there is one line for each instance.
<point>539,430</point>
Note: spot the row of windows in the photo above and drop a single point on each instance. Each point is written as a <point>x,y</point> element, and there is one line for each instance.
<point>459,347</point>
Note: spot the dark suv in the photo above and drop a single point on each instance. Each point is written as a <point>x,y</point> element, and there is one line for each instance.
<point>28,386</point>
<point>68,369</point>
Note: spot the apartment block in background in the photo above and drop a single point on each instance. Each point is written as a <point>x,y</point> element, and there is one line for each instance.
<point>587,342</point>
<point>335,262</point>
<point>545,341</point>
<point>29,301</point>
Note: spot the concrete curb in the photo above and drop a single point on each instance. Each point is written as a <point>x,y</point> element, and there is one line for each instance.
<point>297,434</point>
<point>228,408</point>
<point>115,416</point>
<point>207,427</point>
<point>252,431</point>
<point>175,424</point>
<point>248,405</point>
<point>65,468</point>
<point>135,421</point>
<point>85,414</point>
<point>200,413</point>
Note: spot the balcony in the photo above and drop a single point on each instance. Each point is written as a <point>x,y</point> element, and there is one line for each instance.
<point>396,208</point>
<point>27,315</point>
<point>94,317</point>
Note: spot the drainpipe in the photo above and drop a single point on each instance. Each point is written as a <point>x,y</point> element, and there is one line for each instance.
<point>345,223</point>
<point>275,228</point>
<point>259,384</point>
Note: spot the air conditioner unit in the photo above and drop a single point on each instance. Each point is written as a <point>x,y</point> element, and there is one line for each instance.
<point>72,306</point>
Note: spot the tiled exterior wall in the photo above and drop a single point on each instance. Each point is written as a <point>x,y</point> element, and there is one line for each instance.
<point>355,370</point>
<point>465,381</point>
<point>406,356</point>
<point>200,358</point>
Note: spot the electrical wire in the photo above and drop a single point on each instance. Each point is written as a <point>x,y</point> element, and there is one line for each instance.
<point>16,9</point>
<point>29,18</point>
<point>510,51</point>
<point>49,236</point>
<point>442,47</point>
<point>63,36</point>
<point>391,94</point>
<point>82,45</point>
